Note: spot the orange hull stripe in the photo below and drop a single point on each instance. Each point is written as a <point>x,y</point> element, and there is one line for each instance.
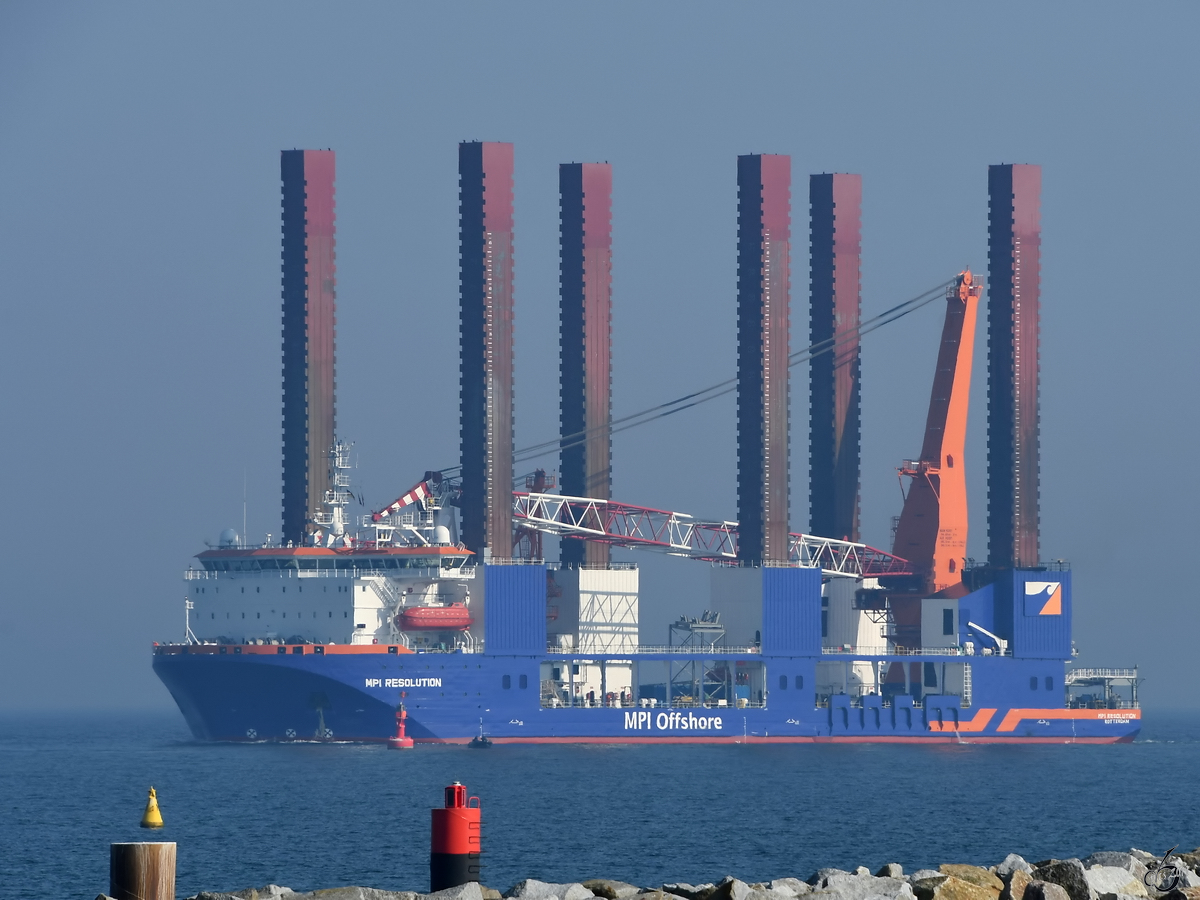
<point>978,722</point>
<point>1014,716</point>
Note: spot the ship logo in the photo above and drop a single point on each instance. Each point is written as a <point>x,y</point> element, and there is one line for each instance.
<point>1043,598</point>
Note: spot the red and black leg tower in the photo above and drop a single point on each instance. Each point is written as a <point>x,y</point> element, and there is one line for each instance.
<point>485,178</point>
<point>835,205</point>
<point>585,197</point>
<point>764,252</point>
<point>309,295</point>
<point>1014,267</point>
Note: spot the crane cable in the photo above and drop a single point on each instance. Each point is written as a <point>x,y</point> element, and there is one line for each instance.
<point>687,401</point>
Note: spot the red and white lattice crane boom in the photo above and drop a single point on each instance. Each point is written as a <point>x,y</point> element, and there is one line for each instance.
<point>678,534</point>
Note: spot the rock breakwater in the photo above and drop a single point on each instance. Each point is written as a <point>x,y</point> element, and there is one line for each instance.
<point>1106,875</point>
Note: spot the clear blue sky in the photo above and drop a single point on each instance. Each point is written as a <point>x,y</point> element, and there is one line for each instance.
<point>139,239</point>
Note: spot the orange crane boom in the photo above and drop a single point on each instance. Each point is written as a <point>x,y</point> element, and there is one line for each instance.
<point>932,532</point>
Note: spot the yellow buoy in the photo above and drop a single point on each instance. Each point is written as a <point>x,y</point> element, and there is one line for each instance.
<point>152,818</point>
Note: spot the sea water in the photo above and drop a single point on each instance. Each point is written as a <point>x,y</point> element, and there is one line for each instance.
<point>322,815</point>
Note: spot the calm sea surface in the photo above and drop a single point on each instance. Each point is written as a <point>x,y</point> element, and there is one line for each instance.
<point>310,816</point>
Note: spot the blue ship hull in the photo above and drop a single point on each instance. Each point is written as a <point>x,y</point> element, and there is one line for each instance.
<point>301,695</point>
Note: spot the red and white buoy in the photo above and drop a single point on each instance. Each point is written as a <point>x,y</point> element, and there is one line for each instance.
<point>401,741</point>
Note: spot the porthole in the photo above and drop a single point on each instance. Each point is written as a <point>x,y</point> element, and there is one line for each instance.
<point>1033,682</point>
<point>783,682</point>
<point>524,682</point>
<point>799,682</point>
<point>506,682</point>
<point>1049,682</point>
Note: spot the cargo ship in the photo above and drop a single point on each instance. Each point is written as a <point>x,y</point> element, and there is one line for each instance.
<point>328,641</point>
<point>340,630</point>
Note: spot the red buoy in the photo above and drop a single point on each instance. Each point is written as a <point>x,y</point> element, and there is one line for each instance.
<point>454,841</point>
<point>401,741</point>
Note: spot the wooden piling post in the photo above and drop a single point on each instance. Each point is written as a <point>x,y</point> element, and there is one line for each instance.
<point>143,871</point>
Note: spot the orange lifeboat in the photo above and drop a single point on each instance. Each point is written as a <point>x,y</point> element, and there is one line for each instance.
<point>454,617</point>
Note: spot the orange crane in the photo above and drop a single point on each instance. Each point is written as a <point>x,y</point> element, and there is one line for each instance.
<point>932,531</point>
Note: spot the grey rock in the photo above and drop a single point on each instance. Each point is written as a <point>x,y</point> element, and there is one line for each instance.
<point>1187,880</point>
<point>490,893</point>
<point>792,886</point>
<point>612,890</point>
<point>861,887</point>
<point>532,889</point>
<point>890,870</point>
<point>765,893</point>
<point>862,870</point>
<point>1142,855</point>
<point>1115,858</point>
<point>469,891</point>
<point>350,893</point>
<point>1045,890</point>
<point>1191,860</point>
<point>1112,880</point>
<point>1068,874</point>
<point>817,878</point>
<point>730,888</point>
<point>1011,864</point>
<point>925,882</point>
<point>690,891</point>
<point>924,874</point>
<point>1190,879</point>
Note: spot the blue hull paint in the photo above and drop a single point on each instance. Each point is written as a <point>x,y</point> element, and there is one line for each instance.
<point>354,697</point>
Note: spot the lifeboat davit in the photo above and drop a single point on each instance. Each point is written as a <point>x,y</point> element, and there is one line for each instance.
<point>454,617</point>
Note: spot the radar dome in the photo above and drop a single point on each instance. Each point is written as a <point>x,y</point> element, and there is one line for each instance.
<point>441,535</point>
<point>229,538</point>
